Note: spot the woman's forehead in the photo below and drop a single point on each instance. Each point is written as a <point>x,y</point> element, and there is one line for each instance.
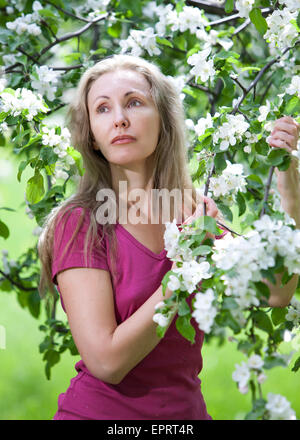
<point>118,82</point>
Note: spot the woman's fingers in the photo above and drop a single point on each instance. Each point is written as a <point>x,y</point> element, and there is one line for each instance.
<point>211,210</point>
<point>285,134</point>
<point>211,207</point>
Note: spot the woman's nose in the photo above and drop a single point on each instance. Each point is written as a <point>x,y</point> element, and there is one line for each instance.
<point>121,121</point>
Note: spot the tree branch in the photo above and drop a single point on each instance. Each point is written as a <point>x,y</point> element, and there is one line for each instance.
<point>258,77</point>
<point>15,283</point>
<point>267,190</point>
<point>69,14</point>
<point>73,34</point>
<point>208,6</point>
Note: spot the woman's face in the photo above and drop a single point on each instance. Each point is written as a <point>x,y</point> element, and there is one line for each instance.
<point>120,104</point>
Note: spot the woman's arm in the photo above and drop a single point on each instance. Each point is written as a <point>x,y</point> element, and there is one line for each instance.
<point>285,135</point>
<point>108,350</point>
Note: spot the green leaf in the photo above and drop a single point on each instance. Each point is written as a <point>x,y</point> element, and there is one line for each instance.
<point>185,328</point>
<point>258,20</point>
<point>286,277</point>
<point>276,156</point>
<point>229,5</point>
<point>164,41</point>
<point>35,188</point>
<point>273,361</point>
<point>183,308</point>
<point>298,20</point>
<point>268,275</point>
<point>292,106</point>
<point>48,156</point>
<point>202,250</point>
<point>34,304</point>
<point>262,321</point>
<point>241,203</point>
<point>207,223</point>
<point>262,289</point>
<point>226,211</point>
<point>220,162</point>
<point>278,315</point>
<point>4,231</point>
<point>229,304</point>
<point>296,365</point>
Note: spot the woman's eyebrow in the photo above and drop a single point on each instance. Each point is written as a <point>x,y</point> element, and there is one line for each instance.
<point>125,94</point>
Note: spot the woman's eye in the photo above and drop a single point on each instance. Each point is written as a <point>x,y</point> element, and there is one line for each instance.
<point>102,109</point>
<point>134,103</point>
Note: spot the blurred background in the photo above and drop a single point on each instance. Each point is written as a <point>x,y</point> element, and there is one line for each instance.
<point>26,394</point>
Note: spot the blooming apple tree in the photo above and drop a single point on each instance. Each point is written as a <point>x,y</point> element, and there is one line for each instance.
<point>236,66</point>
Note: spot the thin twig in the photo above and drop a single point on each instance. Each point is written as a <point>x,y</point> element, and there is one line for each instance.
<point>69,14</point>
<point>70,35</point>
<point>267,190</point>
<point>15,283</point>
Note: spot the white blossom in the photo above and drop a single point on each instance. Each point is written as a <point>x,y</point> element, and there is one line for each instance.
<point>292,5</point>
<point>27,23</point>
<point>203,124</point>
<point>244,7</point>
<point>255,362</point>
<point>279,407</point>
<point>264,111</point>
<point>139,41</point>
<point>281,31</point>
<point>230,181</point>
<point>202,69</point>
<point>46,82</point>
<point>22,101</point>
<point>241,375</point>
<point>174,283</point>
<point>230,131</point>
<point>294,87</point>
<point>191,18</point>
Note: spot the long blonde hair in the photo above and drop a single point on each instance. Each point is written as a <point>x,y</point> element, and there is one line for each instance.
<point>170,159</point>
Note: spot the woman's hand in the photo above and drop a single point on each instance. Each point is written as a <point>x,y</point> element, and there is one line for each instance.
<point>211,210</point>
<point>285,134</point>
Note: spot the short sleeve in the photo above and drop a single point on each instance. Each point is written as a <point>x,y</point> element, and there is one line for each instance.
<point>74,256</point>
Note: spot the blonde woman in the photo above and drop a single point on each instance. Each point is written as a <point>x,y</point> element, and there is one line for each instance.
<point>127,122</point>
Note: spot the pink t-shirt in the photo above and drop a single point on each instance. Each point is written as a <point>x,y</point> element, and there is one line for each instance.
<point>165,384</point>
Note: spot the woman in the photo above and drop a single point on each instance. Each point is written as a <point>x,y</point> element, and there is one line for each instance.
<point>127,121</point>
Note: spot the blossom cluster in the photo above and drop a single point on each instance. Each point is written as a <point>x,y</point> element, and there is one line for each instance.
<point>202,68</point>
<point>243,258</point>
<point>45,82</point>
<point>7,264</point>
<point>60,142</point>
<point>204,310</point>
<point>189,275</point>
<point>294,87</point>
<point>281,32</point>
<point>243,372</point>
<point>160,318</point>
<point>293,313</point>
<point>277,406</point>
<point>27,23</point>
<point>229,182</point>
<point>190,18</point>
<point>21,101</point>
<point>231,131</point>
<point>244,7</point>
<point>139,41</point>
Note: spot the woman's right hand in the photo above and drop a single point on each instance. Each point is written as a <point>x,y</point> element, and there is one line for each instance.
<point>211,210</point>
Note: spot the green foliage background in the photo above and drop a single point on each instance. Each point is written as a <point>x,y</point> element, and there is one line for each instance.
<point>26,394</point>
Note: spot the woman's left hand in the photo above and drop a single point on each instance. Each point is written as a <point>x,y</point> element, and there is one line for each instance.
<point>285,134</point>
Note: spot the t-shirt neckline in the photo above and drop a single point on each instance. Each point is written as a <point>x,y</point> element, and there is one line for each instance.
<point>140,245</point>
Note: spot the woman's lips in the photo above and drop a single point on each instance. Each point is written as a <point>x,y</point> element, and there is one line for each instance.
<point>123,141</point>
